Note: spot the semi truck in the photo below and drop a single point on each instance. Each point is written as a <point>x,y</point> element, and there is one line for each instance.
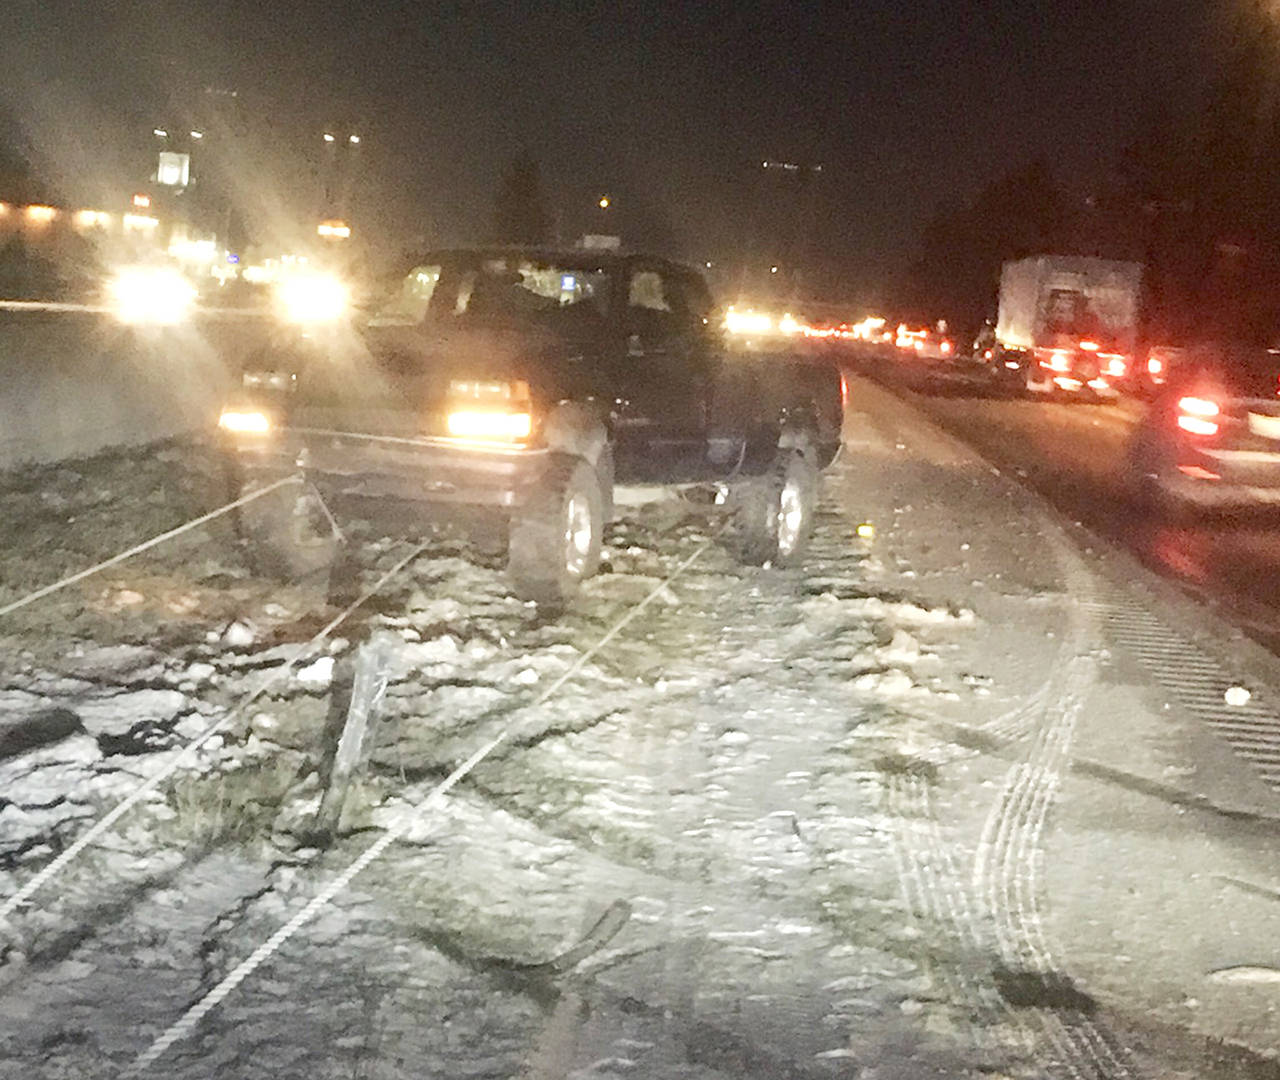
<point>1067,325</point>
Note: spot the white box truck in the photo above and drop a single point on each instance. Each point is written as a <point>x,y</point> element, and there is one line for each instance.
<point>1067,324</point>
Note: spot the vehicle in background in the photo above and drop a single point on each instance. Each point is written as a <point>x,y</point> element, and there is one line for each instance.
<point>757,328</point>
<point>937,344</point>
<point>1211,437</point>
<point>1066,325</point>
<point>984,343</point>
<point>516,386</point>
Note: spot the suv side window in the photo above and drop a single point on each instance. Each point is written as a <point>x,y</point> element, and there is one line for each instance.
<point>658,306</point>
<point>647,291</point>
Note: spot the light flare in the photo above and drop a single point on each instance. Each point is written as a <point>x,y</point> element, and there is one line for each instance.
<point>244,422</point>
<point>151,295</point>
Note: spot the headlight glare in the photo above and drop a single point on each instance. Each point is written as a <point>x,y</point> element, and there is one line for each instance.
<point>489,424</point>
<point>244,422</point>
<point>156,295</point>
<point>313,298</point>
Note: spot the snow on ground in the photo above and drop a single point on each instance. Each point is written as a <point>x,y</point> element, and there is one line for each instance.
<point>817,822</point>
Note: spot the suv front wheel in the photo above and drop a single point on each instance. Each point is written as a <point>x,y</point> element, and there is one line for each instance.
<point>555,537</point>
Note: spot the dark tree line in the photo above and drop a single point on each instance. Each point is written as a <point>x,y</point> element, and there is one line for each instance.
<point>964,245</point>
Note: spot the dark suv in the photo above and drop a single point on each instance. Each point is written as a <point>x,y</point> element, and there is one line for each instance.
<point>524,384</point>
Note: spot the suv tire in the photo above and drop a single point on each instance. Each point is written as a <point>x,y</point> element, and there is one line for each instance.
<point>554,540</point>
<point>775,511</point>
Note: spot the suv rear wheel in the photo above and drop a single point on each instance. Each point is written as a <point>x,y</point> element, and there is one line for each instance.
<point>555,538</point>
<point>775,511</point>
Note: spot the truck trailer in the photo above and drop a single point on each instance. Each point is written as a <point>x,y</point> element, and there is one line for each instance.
<point>1067,324</point>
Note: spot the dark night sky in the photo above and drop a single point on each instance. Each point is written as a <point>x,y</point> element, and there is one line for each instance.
<point>906,102</point>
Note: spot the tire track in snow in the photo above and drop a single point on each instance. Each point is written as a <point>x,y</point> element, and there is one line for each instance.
<point>936,892</point>
<point>1008,868</point>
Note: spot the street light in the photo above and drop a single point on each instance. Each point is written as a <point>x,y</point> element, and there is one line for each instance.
<point>354,140</point>
<point>604,202</point>
<point>197,134</point>
<point>159,133</point>
<point>328,137</point>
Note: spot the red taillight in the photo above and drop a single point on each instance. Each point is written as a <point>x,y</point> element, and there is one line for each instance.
<point>1116,365</point>
<point>1058,361</point>
<point>1155,365</point>
<point>1198,406</point>
<point>946,347</point>
<point>1089,346</point>
<point>1194,413</point>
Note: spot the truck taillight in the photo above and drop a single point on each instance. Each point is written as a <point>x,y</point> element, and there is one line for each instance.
<point>1114,365</point>
<point>1057,361</point>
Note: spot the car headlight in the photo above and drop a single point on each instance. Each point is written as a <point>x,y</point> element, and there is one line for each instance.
<point>313,298</point>
<point>244,422</point>
<point>748,322</point>
<point>156,295</point>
